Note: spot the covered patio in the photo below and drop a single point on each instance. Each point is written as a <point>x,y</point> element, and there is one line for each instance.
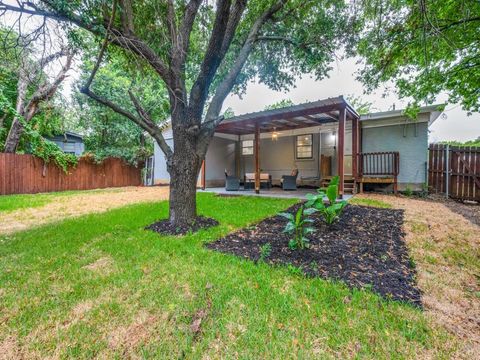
<point>300,120</point>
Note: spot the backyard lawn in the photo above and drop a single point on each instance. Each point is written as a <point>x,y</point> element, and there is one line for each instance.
<point>100,285</point>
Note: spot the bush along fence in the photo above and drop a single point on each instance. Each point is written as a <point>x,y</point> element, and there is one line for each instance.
<point>454,171</point>
<point>24,174</point>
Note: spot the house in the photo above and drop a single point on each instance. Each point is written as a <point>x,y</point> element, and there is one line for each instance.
<point>69,142</point>
<point>321,139</point>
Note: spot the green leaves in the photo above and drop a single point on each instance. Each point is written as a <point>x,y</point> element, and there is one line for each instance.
<point>333,210</point>
<point>297,226</point>
<point>426,50</point>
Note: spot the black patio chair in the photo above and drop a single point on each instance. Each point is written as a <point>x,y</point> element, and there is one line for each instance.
<point>232,183</point>
<point>289,182</point>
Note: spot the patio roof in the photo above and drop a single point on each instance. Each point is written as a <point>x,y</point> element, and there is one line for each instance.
<point>289,118</point>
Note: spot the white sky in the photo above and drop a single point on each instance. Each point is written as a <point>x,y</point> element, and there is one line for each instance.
<point>456,125</point>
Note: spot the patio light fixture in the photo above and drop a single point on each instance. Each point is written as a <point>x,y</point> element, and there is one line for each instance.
<point>274,134</point>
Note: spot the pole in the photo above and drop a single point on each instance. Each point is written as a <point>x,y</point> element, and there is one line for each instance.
<point>447,170</point>
<point>257,158</point>
<point>341,150</point>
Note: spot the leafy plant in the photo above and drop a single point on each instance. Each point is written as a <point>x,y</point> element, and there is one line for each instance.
<point>297,226</point>
<point>331,211</point>
<point>265,251</point>
<point>408,191</point>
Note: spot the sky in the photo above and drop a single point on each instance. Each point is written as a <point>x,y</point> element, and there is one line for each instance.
<point>455,124</point>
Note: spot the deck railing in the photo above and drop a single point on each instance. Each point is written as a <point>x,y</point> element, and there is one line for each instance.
<point>379,164</point>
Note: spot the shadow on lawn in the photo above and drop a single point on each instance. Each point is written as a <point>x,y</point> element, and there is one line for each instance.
<point>365,248</point>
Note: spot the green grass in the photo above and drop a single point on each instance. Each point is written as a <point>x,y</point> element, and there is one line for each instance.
<point>142,302</point>
<point>370,202</point>
<point>10,203</point>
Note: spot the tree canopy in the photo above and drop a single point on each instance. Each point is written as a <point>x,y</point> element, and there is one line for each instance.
<point>425,47</point>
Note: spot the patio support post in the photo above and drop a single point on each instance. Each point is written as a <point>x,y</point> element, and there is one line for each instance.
<point>341,149</point>
<point>257,158</point>
<point>238,154</point>
<point>354,151</point>
<point>203,175</point>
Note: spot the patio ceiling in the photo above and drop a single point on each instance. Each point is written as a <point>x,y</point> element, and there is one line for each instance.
<point>289,118</point>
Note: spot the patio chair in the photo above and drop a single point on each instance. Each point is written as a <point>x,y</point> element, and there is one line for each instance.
<point>289,182</point>
<point>232,183</point>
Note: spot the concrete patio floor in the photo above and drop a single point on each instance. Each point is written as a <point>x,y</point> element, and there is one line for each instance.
<point>274,192</point>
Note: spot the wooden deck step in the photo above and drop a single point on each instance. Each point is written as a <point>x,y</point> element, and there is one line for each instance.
<point>348,184</point>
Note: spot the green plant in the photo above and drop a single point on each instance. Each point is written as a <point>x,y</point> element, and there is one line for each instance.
<point>265,251</point>
<point>424,192</point>
<point>331,211</point>
<point>297,226</point>
<point>408,191</point>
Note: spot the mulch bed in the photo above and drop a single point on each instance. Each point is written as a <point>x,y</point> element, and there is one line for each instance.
<point>364,248</point>
<point>164,227</point>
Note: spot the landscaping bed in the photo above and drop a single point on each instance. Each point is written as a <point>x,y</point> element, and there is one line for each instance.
<point>165,227</point>
<point>365,248</point>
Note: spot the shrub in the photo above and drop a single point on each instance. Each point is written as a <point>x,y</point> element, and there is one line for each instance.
<point>297,226</point>
<point>331,211</point>
<point>408,191</point>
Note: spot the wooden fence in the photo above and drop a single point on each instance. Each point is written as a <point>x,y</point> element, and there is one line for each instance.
<point>455,171</point>
<point>23,174</point>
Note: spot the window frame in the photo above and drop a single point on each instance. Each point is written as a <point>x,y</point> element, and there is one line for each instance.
<point>303,146</point>
<point>248,147</point>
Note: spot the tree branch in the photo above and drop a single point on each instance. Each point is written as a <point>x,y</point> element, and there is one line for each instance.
<point>126,16</point>
<point>212,119</point>
<point>45,92</point>
<point>121,39</point>
<point>211,61</point>
<point>154,132</point>
<point>103,47</point>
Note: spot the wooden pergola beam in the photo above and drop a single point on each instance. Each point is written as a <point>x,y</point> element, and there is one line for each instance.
<point>226,127</point>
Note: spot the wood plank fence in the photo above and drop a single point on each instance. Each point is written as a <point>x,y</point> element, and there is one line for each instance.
<point>26,174</point>
<point>455,171</point>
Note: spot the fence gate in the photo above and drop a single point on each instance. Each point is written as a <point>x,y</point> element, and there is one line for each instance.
<point>454,170</point>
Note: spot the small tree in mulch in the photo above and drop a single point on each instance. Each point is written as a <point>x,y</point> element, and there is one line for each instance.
<point>331,211</point>
<point>297,226</point>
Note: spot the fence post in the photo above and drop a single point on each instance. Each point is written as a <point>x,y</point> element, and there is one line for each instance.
<point>447,169</point>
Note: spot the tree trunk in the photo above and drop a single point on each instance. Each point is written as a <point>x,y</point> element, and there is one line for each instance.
<point>184,169</point>
<point>13,137</point>
<point>16,129</point>
<point>183,189</point>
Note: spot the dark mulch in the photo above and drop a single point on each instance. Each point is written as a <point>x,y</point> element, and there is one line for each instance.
<point>164,227</point>
<point>365,248</point>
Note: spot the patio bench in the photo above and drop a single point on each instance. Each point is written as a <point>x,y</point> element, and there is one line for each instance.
<point>265,180</point>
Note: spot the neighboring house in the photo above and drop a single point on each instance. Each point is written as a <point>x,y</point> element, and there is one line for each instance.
<point>390,148</point>
<point>69,142</point>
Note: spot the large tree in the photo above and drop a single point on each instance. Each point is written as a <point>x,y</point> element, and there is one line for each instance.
<point>201,51</point>
<point>27,90</point>
<point>426,47</point>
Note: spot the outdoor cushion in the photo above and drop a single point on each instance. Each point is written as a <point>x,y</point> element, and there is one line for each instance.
<point>263,176</point>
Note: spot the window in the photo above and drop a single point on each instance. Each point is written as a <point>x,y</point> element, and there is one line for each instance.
<point>247,147</point>
<point>304,146</point>
<point>69,147</point>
